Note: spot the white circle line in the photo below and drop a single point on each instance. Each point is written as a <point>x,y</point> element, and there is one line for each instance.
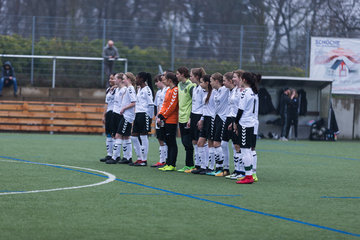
<point>110,178</point>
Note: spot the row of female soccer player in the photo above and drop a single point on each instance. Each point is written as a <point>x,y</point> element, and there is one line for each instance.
<point>209,109</point>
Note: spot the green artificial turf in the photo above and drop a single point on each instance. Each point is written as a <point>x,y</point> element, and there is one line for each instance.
<point>306,190</point>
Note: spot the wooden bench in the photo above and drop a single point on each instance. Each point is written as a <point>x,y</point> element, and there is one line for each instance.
<point>52,117</point>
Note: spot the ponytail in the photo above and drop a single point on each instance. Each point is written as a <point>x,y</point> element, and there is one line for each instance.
<point>206,78</point>
<point>252,79</point>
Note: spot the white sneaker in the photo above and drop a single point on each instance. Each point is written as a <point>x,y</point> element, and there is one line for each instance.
<point>231,175</point>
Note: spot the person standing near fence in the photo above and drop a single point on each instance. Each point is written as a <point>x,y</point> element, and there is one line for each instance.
<point>110,54</point>
<point>293,113</point>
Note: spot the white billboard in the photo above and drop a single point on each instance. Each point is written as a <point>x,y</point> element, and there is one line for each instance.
<point>337,59</point>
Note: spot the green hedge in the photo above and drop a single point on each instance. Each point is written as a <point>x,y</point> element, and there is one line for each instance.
<point>69,72</point>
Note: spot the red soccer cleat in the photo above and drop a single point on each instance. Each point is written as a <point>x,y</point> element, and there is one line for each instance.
<point>158,164</point>
<point>247,180</point>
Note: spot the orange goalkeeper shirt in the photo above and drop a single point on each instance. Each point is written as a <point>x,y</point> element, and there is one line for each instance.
<point>170,107</point>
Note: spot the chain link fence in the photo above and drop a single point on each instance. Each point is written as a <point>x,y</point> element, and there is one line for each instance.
<point>146,45</point>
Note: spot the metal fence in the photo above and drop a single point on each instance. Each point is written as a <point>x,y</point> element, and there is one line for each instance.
<point>146,45</point>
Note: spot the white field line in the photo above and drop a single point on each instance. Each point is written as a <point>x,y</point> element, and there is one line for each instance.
<point>110,178</point>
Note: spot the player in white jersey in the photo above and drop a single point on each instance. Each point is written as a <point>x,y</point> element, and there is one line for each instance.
<point>206,126</point>
<point>239,170</point>
<point>198,96</point>
<point>144,109</point>
<point>119,93</point>
<point>127,111</point>
<point>247,119</point>
<point>160,130</point>
<point>108,117</point>
<point>256,128</point>
<point>221,101</point>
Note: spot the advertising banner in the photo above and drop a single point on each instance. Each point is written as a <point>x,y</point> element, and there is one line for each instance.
<point>337,59</point>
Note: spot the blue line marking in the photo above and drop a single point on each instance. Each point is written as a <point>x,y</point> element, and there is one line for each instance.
<point>204,200</point>
<point>308,154</point>
<point>341,197</point>
<point>169,194</point>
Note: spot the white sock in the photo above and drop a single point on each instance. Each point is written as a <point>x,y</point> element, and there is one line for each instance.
<point>237,157</point>
<point>137,147</point>
<point>247,159</point>
<point>117,148</point>
<point>202,157</point>
<point>254,158</point>
<point>127,149</point>
<point>211,158</point>
<point>206,147</point>
<point>163,153</point>
<point>166,151</point>
<point>226,154</point>
<point>145,145</point>
<point>109,146</point>
<point>218,157</point>
<point>196,155</point>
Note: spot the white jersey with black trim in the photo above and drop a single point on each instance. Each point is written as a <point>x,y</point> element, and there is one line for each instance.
<point>221,102</point>
<point>129,97</point>
<point>118,98</point>
<point>144,101</point>
<point>198,96</point>
<point>233,102</point>
<point>159,98</point>
<point>209,107</point>
<point>249,103</point>
<point>109,99</point>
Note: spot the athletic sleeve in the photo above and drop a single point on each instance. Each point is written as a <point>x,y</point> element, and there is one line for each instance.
<point>132,94</point>
<point>243,100</point>
<point>170,103</point>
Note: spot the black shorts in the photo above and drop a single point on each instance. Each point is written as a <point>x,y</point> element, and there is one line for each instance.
<point>160,133</point>
<point>219,129</point>
<point>254,141</point>
<point>194,130</point>
<point>124,127</point>
<point>230,134</point>
<point>208,128</point>
<point>109,123</point>
<point>115,122</point>
<point>246,135</point>
<point>142,123</point>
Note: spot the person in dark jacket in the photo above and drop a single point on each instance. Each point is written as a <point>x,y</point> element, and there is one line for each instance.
<point>8,77</point>
<point>283,110</point>
<point>292,113</point>
<point>110,54</point>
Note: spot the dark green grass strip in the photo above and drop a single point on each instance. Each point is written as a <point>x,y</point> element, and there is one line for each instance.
<point>202,199</point>
<point>308,154</point>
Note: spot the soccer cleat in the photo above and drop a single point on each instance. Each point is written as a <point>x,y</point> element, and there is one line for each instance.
<point>105,159</point>
<point>162,168</point>
<point>240,177</point>
<point>185,168</point>
<point>247,180</point>
<point>133,163</point>
<point>211,173</point>
<point>125,161</point>
<point>168,168</point>
<point>198,171</point>
<point>236,177</point>
<point>191,170</point>
<point>158,164</point>
<point>205,171</point>
<point>112,161</point>
<point>255,177</point>
<point>140,163</point>
<point>223,173</point>
<point>231,175</point>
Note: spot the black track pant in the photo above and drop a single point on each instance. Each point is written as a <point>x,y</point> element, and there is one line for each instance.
<point>186,140</point>
<point>170,140</point>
